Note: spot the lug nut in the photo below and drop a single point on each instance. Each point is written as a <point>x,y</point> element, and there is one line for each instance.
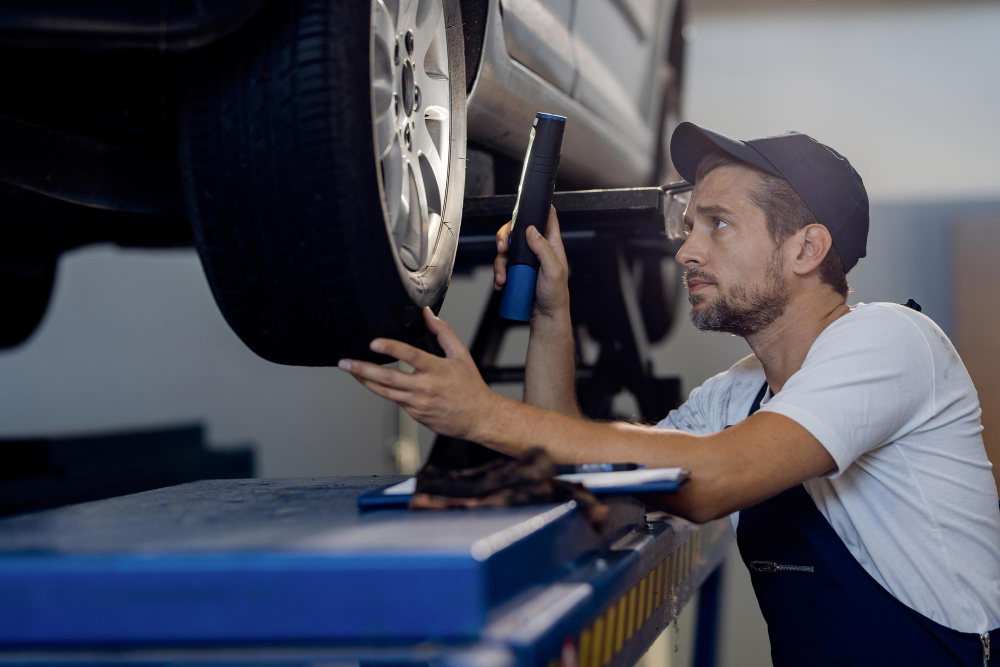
<point>407,137</point>
<point>409,42</point>
<point>416,98</point>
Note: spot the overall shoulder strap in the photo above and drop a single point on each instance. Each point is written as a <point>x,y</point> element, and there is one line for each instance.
<point>756,402</point>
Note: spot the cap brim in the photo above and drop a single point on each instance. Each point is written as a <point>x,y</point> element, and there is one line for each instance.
<point>690,143</point>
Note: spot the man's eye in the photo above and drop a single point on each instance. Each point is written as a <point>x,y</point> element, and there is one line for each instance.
<point>719,224</point>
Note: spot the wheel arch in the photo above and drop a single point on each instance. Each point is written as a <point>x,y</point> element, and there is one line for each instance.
<point>474,13</point>
<point>677,49</point>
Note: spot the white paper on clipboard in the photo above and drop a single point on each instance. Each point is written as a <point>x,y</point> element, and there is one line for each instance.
<point>592,480</point>
<point>599,480</point>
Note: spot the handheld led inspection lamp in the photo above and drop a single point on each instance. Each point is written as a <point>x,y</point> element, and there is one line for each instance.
<point>534,196</point>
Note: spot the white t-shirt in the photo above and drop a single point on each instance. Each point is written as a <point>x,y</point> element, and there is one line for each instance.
<point>913,497</point>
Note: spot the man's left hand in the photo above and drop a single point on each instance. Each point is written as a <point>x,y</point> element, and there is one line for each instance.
<point>447,395</point>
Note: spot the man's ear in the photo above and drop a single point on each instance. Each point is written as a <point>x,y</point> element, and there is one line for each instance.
<point>812,243</point>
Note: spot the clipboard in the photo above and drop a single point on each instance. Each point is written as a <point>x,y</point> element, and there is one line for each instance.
<point>618,483</point>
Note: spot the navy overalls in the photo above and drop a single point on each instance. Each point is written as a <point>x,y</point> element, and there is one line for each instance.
<point>823,608</point>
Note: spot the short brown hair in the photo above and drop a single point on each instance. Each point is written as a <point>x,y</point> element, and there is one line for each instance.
<point>785,212</point>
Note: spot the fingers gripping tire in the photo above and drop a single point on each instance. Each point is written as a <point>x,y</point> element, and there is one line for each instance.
<point>312,242</point>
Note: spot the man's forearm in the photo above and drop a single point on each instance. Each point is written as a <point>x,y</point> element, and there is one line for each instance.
<point>730,470</point>
<point>515,427</point>
<point>550,369</point>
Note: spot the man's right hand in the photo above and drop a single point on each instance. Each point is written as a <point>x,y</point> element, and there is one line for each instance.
<point>552,286</point>
<point>550,367</point>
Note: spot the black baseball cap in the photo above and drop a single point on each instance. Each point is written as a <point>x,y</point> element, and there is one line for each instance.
<point>822,177</point>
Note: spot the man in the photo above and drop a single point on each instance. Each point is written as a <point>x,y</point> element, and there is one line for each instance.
<point>849,442</point>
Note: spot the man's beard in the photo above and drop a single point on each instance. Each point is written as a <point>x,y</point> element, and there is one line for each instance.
<point>745,310</point>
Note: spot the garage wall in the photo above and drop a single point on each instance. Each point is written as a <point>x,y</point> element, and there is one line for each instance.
<point>908,91</point>
<point>975,257</point>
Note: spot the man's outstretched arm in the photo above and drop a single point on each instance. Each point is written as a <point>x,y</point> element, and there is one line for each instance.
<point>730,470</point>
<point>550,368</point>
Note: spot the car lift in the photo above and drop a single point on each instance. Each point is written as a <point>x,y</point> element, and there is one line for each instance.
<point>266,571</point>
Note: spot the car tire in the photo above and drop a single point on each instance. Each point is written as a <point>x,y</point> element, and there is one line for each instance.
<point>295,217</point>
<point>660,292</point>
<point>26,285</point>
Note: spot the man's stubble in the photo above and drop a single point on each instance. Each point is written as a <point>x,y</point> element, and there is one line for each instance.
<point>745,310</point>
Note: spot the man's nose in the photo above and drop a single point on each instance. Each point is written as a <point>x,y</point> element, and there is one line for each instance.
<point>692,253</point>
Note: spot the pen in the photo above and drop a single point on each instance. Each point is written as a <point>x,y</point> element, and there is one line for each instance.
<point>594,467</point>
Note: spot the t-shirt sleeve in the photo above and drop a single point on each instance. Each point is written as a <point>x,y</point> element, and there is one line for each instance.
<point>699,413</point>
<point>867,381</point>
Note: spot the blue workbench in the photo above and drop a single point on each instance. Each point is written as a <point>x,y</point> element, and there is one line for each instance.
<point>289,571</point>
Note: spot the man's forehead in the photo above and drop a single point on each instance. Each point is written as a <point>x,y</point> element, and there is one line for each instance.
<point>726,187</point>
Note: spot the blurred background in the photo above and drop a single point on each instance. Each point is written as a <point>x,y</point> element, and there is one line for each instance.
<point>908,90</point>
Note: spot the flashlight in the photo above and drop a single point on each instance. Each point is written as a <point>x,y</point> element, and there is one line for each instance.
<point>534,197</point>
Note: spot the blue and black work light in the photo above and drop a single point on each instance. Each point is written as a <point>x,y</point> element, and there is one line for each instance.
<point>534,197</point>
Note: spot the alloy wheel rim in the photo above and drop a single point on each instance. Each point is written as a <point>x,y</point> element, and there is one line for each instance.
<point>411,108</point>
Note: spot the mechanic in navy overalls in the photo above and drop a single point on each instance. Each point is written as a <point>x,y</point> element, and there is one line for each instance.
<point>846,449</point>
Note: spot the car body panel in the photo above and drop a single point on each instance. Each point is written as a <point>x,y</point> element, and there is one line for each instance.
<point>623,42</point>
<point>616,97</point>
<point>537,35</point>
<point>603,91</point>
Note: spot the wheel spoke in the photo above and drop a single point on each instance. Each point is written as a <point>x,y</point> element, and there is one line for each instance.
<point>428,19</point>
<point>391,8</point>
<point>435,153</point>
<point>431,53</point>
<point>434,182</point>
<point>385,132</point>
<point>384,27</point>
<point>383,77</point>
<point>420,221</point>
<point>411,231</point>
<point>392,182</point>
<point>434,92</point>
<point>407,15</point>
<point>402,224</point>
<point>383,90</point>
